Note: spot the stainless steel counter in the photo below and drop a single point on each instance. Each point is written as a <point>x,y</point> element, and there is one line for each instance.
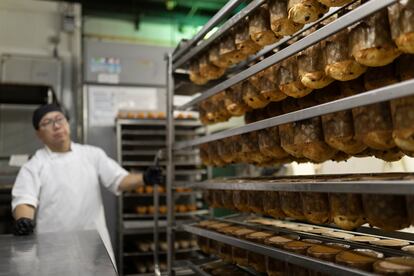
<point>73,253</point>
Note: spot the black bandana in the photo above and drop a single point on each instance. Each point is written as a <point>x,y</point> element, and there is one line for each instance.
<point>40,112</point>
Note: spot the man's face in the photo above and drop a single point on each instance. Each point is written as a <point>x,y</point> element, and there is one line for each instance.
<point>54,129</point>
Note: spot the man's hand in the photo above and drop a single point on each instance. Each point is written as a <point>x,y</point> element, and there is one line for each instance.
<point>23,226</point>
<point>153,175</point>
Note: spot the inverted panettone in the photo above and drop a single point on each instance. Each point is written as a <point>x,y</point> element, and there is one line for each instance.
<point>289,80</point>
<point>340,64</point>
<point>338,127</point>
<point>228,51</point>
<point>259,27</point>
<point>371,40</point>
<point>214,57</point>
<point>306,11</point>
<point>311,67</point>
<point>335,3</point>
<point>402,109</point>
<point>243,41</point>
<point>269,85</point>
<point>280,23</point>
<point>401,18</point>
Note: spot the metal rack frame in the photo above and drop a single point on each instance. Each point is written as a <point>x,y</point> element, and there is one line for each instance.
<point>177,61</point>
<point>395,187</point>
<point>301,260</point>
<point>128,133</point>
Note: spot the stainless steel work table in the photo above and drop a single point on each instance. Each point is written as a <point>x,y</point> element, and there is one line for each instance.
<point>59,254</point>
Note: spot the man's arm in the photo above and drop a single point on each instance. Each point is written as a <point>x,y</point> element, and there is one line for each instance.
<point>131,182</point>
<point>152,175</point>
<point>24,211</point>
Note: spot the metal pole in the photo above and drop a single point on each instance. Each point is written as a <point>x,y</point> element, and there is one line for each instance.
<point>170,168</point>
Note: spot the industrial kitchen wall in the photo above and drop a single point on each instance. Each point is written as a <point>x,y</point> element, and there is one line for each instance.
<point>37,40</point>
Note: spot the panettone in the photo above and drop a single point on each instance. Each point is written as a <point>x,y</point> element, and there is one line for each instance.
<point>311,67</point>
<point>338,127</point>
<point>269,87</point>
<point>243,41</point>
<point>346,210</point>
<point>208,70</point>
<point>402,109</point>
<point>289,79</point>
<point>372,44</point>
<point>214,57</point>
<point>259,27</point>
<point>340,64</point>
<point>252,96</point>
<point>306,11</point>
<point>401,19</point>
<point>228,51</point>
<point>335,3</point>
<point>280,23</point>
<point>194,74</point>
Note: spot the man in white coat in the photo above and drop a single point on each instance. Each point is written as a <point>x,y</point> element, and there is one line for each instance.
<point>58,189</point>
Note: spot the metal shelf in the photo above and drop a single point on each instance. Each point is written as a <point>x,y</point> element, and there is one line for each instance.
<point>240,220</point>
<point>189,172</point>
<point>150,163</point>
<point>403,186</point>
<point>161,122</point>
<point>286,256</point>
<point>214,37</point>
<point>138,254</point>
<point>324,32</point>
<point>382,94</point>
<point>143,143</point>
<point>176,194</point>
<point>216,19</point>
<point>156,132</point>
<point>185,214</point>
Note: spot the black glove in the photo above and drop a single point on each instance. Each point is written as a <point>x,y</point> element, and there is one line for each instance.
<point>23,226</point>
<point>153,175</point>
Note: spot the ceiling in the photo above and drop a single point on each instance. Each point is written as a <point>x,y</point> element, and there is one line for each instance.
<point>136,8</point>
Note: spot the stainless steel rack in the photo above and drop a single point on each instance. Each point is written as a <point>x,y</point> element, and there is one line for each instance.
<point>301,260</point>
<point>177,62</point>
<point>138,141</point>
<point>396,187</point>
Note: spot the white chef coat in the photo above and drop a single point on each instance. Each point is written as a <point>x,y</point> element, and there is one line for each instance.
<point>64,189</point>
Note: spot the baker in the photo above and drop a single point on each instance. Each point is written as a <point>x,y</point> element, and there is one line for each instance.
<point>58,190</point>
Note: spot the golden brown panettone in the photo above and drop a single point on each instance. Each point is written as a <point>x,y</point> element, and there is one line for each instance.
<point>372,123</point>
<point>311,67</point>
<point>387,212</point>
<point>252,96</point>
<point>214,57</point>
<point>213,154</point>
<point>371,40</point>
<point>401,18</point>
<point>269,87</point>
<point>315,207</point>
<point>272,205</point>
<point>338,127</point>
<point>288,133</point>
<point>346,210</point>
<point>402,109</point>
<point>289,79</point>
<point>311,136</point>
<point>306,11</point>
<point>335,3</point>
<point>340,64</point>
<point>259,27</point>
<point>243,41</point>
<point>234,102</point>
<point>208,70</point>
<point>292,205</point>
<point>269,140</point>
<point>228,51</point>
<point>195,76</point>
<point>280,23</point>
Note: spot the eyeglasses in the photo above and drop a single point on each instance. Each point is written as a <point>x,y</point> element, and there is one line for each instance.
<point>49,123</point>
